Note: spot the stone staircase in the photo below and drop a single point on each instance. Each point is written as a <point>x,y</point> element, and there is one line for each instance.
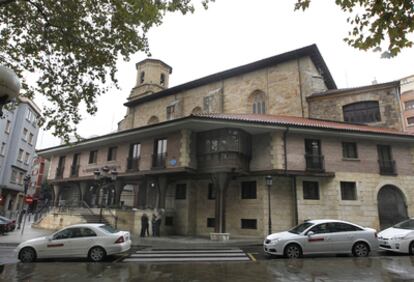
<point>94,218</point>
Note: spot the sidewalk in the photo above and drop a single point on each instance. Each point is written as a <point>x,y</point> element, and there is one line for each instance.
<point>167,242</point>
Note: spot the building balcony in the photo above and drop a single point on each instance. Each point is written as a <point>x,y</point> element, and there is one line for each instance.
<point>133,164</point>
<point>387,167</point>
<point>315,162</point>
<point>159,160</point>
<point>74,171</point>
<point>59,172</point>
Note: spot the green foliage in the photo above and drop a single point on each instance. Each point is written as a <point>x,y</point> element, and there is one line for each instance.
<point>375,23</point>
<point>72,47</point>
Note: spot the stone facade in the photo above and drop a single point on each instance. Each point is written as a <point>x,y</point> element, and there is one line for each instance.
<point>213,175</point>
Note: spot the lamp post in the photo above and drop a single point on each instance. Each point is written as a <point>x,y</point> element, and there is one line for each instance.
<point>9,86</point>
<point>269,182</point>
<point>104,176</point>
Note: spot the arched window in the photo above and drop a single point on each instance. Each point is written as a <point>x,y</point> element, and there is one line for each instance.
<point>162,79</point>
<point>153,119</point>
<point>196,110</point>
<point>362,112</point>
<point>257,102</point>
<point>142,77</point>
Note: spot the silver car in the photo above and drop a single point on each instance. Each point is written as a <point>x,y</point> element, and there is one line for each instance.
<point>398,238</point>
<point>323,236</point>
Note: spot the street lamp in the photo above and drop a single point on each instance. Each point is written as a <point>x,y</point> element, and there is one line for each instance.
<point>269,182</point>
<point>104,176</point>
<point>9,86</point>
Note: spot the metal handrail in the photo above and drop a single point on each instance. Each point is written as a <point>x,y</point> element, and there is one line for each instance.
<point>114,216</point>
<point>85,204</point>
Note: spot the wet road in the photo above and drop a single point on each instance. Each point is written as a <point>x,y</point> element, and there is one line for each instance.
<point>378,268</point>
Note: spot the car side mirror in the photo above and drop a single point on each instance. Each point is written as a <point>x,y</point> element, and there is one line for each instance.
<point>310,233</point>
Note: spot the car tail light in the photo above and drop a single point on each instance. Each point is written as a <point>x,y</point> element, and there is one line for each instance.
<point>120,240</point>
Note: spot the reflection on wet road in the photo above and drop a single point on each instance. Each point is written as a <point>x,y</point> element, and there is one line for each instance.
<point>308,269</point>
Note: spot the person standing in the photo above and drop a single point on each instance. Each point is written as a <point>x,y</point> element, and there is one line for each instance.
<point>144,225</point>
<point>158,224</point>
<point>154,225</point>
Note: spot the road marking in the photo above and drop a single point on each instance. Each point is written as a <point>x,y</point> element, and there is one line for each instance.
<point>250,255</point>
<point>121,257</point>
<point>188,255</point>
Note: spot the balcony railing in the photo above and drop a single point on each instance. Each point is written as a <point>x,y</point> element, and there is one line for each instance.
<point>74,170</point>
<point>59,171</point>
<point>223,160</point>
<point>387,167</point>
<point>132,163</point>
<point>315,162</point>
<point>159,160</point>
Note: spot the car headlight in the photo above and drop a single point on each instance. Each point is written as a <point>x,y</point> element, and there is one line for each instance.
<point>274,241</point>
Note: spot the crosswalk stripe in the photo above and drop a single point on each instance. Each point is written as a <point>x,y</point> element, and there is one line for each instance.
<point>182,255</point>
<point>187,255</point>
<point>245,258</point>
<point>188,252</point>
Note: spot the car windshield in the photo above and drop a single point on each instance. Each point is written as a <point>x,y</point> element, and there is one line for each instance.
<point>408,224</point>
<point>300,228</point>
<point>108,229</point>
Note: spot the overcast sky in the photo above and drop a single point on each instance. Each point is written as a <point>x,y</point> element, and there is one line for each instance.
<point>236,32</point>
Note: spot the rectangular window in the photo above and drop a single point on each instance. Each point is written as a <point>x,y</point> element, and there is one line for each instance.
<point>135,151</point>
<point>211,222</point>
<point>408,105</point>
<point>310,190</point>
<point>160,153</point>
<point>111,154</point>
<point>30,140</point>
<point>211,192</point>
<point>20,178</point>
<point>20,155</point>
<point>349,150</point>
<point>386,163</point>
<point>170,112</point>
<point>169,221</point>
<point>25,134</point>
<point>348,191</point>
<point>93,155</point>
<point>181,191</point>
<point>8,126</point>
<point>410,121</point>
<point>3,149</point>
<point>26,158</point>
<point>208,104</point>
<point>248,223</point>
<point>13,178</point>
<point>248,190</point>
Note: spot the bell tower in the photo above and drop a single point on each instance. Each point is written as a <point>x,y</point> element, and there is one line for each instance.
<point>152,76</point>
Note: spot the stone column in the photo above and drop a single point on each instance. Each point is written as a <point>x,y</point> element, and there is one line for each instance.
<point>56,189</point>
<point>220,182</point>
<point>119,186</point>
<point>83,188</point>
<point>162,190</point>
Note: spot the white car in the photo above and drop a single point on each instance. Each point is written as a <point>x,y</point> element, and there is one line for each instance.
<point>93,241</point>
<point>323,236</point>
<point>398,238</point>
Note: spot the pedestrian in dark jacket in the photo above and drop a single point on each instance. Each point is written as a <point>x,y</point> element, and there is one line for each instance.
<point>144,225</point>
<point>154,225</point>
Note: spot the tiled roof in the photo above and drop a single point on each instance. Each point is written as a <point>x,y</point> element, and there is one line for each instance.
<point>312,51</point>
<point>303,122</point>
<point>356,89</point>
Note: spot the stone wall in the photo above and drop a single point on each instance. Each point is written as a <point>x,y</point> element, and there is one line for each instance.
<point>330,106</point>
<point>285,86</point>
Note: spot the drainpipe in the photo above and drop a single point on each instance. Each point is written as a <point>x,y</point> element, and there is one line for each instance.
<point>300,88</point>
<point>285,133</point>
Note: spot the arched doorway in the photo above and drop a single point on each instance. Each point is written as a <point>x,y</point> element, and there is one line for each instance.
<point>391,206</point>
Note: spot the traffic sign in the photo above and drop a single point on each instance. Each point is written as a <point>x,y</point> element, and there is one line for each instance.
<point>28,200</point>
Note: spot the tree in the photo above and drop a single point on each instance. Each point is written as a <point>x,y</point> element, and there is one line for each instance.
<point>376,22</point>
<point>72,47</point>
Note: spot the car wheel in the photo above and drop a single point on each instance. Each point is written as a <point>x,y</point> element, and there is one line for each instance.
<point>411,248</point>
<point>96,254</point>
<point>27,254</point>
<point>360,249</point>
<point>293,251</point>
